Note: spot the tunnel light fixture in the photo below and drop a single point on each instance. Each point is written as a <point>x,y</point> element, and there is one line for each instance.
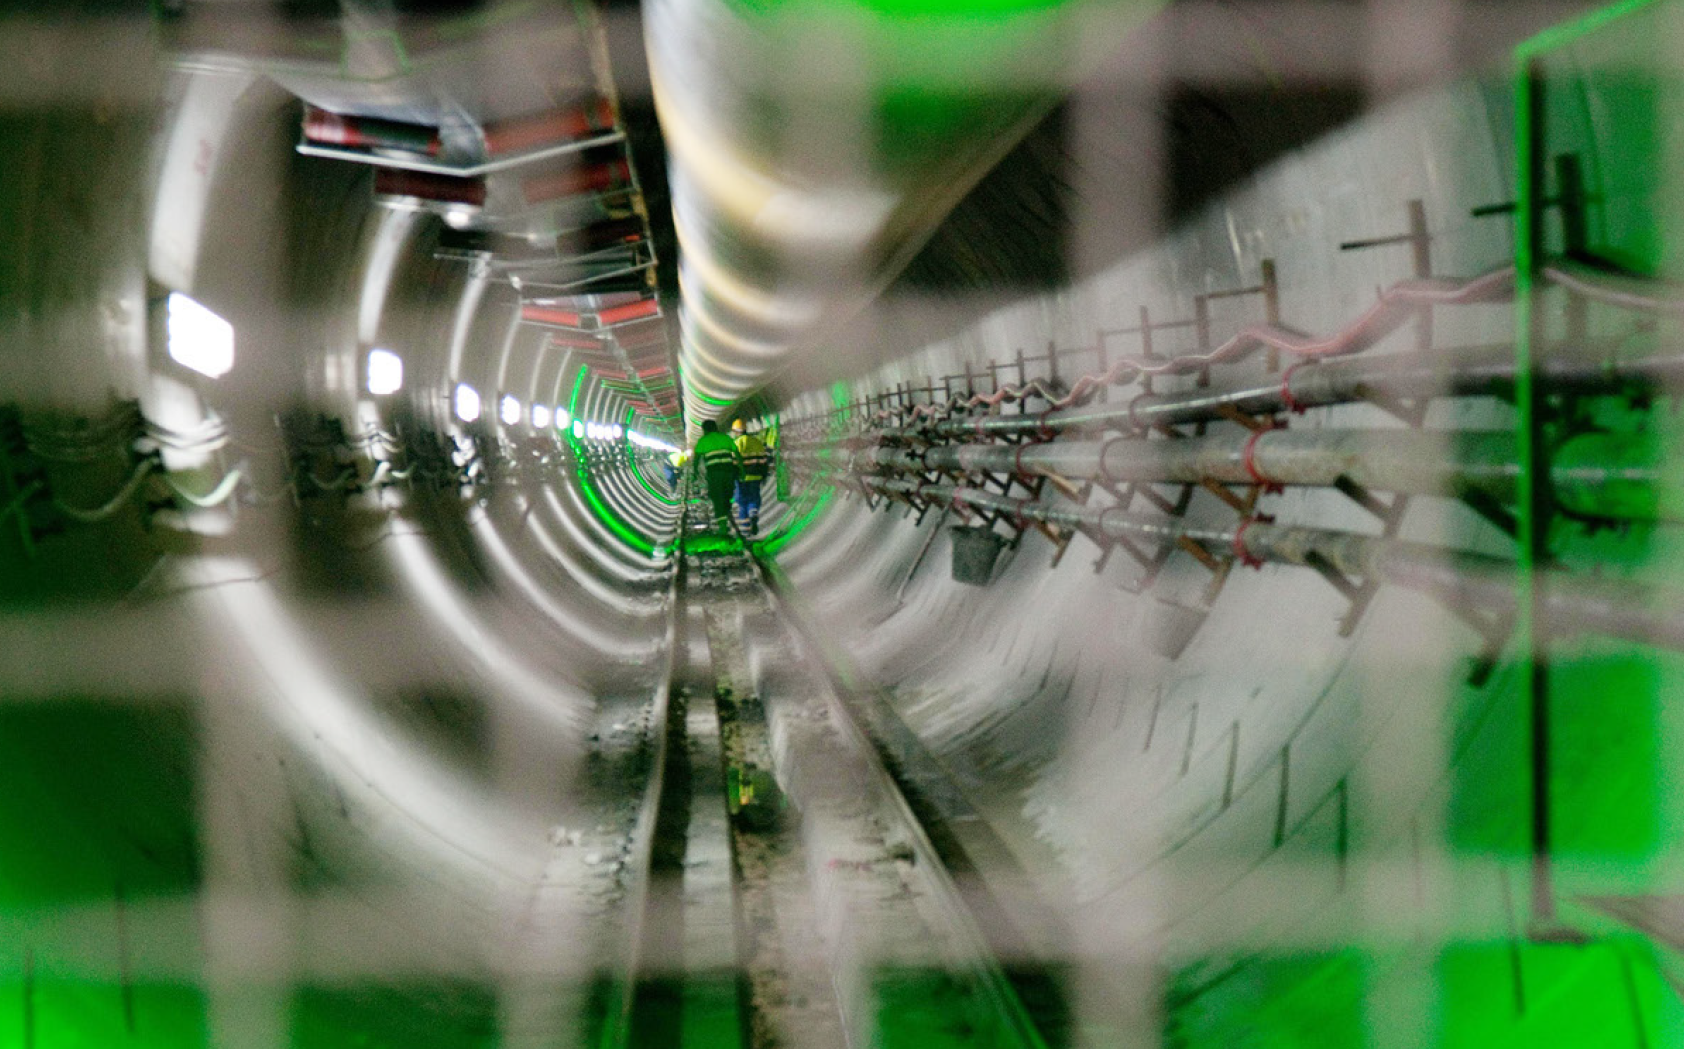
<point>508,409</point>
<point>540,416</point>
<point>562,418</point>
<point>578,428</point>
<point>197,338</point>
<point>467,402</point>
<point>385,372</point>
<point>643,440</point>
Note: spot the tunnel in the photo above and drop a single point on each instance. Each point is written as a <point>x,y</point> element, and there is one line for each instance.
<point>1209,583</point>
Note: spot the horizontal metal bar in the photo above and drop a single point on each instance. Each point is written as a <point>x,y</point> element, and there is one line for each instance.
<point>1376,242</point>
<point>523,283</point>
<point>382,160</point>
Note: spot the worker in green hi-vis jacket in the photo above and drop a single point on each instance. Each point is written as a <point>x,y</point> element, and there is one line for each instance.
<point>715,459</point>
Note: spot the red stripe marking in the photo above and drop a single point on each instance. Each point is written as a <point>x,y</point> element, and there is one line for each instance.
<point>646,308</point>
<point>549,315</point>
<point>593,178</point>
<point>574,122</point>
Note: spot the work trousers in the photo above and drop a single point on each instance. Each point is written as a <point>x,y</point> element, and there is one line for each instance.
<point>721,487</point>
<point>748,502</point>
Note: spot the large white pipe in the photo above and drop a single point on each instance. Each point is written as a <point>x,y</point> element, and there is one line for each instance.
<point>815,148</point>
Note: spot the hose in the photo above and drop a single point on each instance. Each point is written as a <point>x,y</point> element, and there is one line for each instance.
<point>94,515</point>
<point>18,501</point>
<point>216,496</point>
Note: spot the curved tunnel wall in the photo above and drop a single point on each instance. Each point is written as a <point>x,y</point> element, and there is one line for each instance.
<point>1301,831</point>
<point>329,757</point>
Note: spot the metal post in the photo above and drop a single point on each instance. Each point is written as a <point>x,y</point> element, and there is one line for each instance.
<point>1022,381</point>
<point>1146,351</point>
<point>1201,324</point>
<point>1420,244</point>
<point>1271,309</point>
<point>1102,354</point>
<point>1532,483</point>
<point>1575,237</point>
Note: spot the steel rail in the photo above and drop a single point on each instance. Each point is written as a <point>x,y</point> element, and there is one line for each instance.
<point>980,961</point>
<point>617,1023</point>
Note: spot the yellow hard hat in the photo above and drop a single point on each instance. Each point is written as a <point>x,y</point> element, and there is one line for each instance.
<point>738,424</point>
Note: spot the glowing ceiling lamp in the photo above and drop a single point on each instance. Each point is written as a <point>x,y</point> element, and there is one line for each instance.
<point>540,416</point>
<point>578,428</point>
<point>508,409</point>
<point>562,418</point>
<point>385,372</point>
<point>467,402</point>
<point>643,440</point>
<point>199,339</point>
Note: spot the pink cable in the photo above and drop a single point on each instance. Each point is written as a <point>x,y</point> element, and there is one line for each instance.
<point>1394,307</point>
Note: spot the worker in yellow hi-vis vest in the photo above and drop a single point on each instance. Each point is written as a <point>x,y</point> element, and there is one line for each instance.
<point>675,466</point>
<point>751,450</point>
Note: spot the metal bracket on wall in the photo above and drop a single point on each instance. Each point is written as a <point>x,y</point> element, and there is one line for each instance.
<point>1267,286</point>
<point>1361,593</point>
<point>1151,562</point>
<point>1492,509</point>
<point>1420,243</point>
<point>1570,198</point>
<point>1411,412</point>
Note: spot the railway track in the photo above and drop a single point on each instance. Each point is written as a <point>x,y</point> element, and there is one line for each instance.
<point>791,895</point>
